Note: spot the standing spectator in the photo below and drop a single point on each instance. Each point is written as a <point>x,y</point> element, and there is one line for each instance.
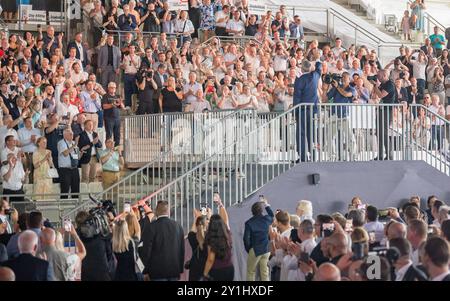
<point>421,129</point>
<point>305,91</point>
<point>28,267</point>
<point>150,19</point>
<point>89,144</point>
<point>372,224</point>
<point>163,246</point>
<point>296,29</point>
<point>404,268</point>
<point>219,263</point>
<point>42,162</point>
<point>125,251</point>
<point>256,240</point>
<point>222,18</point>
<point>111,105</point>
<point>207,22</point>
<point>131,64</point>
<point>68,157</point>
<point>195,16</point>
<point>109,62</point>
<point>417,14</point>
<point>170,98</point>
<point>437,41</point>
<point>419,64</point>
<point>13,177</point>
<point>235,26</point>
<point>405,25</point>
<point>436,259</point>
<point>111,160</point>
<point>146,89</point>
<point>127,21</point>
<point>91,103</point>
<point>196,238</point>
<point>337,50</point>
<point>416,234</point>
<point>184,28</point>
<point>81,51</point>
<point>28,136</point>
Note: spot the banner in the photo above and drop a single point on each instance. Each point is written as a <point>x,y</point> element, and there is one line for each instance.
<point>56,18</point>
<point>24,11</point>
<point>74,10</point>
<point>254,8</point>
<point>175,5</point>
<point>37,17</point>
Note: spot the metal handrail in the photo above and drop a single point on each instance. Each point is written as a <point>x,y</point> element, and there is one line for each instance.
<point>429,17</point>
<point>160,160</point>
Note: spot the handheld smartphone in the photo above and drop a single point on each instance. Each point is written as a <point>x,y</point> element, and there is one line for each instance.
<point>372,238</point>
<point>203,208</point>
<point>349,225</point>
<point>358,251</point>
<point>261,198</point>
<point>327,229</point>
<point>127,207</point>
<point>67,225</point>
<point>362,207</point>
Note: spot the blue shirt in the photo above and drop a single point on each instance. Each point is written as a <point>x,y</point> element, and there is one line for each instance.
<point>341,111</point>
<point>437,44</point>
<point>256,233</point>
<point>305,86</point>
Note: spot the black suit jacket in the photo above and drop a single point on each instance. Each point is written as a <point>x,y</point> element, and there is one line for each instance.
<point>83,141</point>
<point>163,249</point>
<point>404,95</point>
<point>160,85</point>
<point>414,274</point>
<point>26,267</point>
<point>85,62</point>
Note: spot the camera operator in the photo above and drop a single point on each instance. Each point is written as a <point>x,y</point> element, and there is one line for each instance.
<point>384,89</point>
<point>341,93</point>
<point>146,88</point>
<point>96,265</point>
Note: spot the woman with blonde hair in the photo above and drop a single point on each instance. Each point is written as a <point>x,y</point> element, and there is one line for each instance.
<point>42,162</point>
<point>133,227</point>
<point>304,210</point>
<point>124,248</point>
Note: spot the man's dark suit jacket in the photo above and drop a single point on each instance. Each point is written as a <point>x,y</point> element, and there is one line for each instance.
<point>85,62</point>
<point>26,267</point>
<point>256,233</point>
<point>83,141</point>
<point>414,274</point>
<point>160,85</point>
<point>163,249</point>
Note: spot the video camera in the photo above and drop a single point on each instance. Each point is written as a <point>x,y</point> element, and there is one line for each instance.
<point>97,223</point>
<point>331,77</point>
<point>144,73</point>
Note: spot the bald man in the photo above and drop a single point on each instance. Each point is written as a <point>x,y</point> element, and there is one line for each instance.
<point>327,272</point>
<point>58,259</point>
<point>6,274</point>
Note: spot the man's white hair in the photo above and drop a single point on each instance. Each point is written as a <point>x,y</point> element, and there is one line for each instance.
<point>28,241</point>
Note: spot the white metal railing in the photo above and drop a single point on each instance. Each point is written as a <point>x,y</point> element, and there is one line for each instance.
<point>306,133</point>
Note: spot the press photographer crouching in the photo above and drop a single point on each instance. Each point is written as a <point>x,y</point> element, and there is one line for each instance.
<point>94,230</point>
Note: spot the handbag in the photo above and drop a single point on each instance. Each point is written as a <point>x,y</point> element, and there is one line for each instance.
<point>138,264</point>
<point>53,173</point>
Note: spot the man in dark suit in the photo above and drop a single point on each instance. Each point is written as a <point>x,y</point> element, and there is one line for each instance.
<point>256,240</point>
<point>160,78</point>
<point>88,143</point>
<point>82,54</point>
<point>27,267</point>
<point>109,57</point>
<point>163,247</point>
<point>404,269</point>
<point>436,259</point>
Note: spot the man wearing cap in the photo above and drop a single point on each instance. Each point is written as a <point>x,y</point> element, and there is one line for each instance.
<point>305,92</point>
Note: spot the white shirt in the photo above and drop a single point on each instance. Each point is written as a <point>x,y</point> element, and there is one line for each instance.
<point>435,110</point>
<point>236,26</point>
<point>419,69</point>
<point>63,161</point>
<point>25,134</point>
<point>6,151</point>
<point>280,63</point>
<point>77,78</point>
<point>402,271</point>
<point>4,131</point>
<point>16,178</point>
<point>80,49</point>
<point>220,15</point>
<point>180,26</point>
<point>376,227</point>
<point>337,51</point>
<point>91,138</point>
<point>69,62</point>
<point>308,245</point>
<point>415,257</point>
<point>287,233</point>
<point>194,87</point>
<point>130,67</point>
<point>62,110</point>
<point>441,276</point>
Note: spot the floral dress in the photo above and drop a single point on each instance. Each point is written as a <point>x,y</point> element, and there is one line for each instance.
<point>42,182</point>
<point>208,21</point>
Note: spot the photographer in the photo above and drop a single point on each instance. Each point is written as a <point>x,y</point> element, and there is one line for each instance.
<point>341,93</point>
<point>146,88</point>
<point>127,21</point>
<point>96,264</point>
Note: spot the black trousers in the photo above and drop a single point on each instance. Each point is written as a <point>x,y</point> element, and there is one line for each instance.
<point>14,192</point>
<point>145,107</point>
<point>70,181</point>
<point>383,121</point>
<point>112,127</point>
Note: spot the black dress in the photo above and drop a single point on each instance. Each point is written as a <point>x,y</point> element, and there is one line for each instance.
<point>170,101</point>
<point>198,259</point>
<point>125,270</point>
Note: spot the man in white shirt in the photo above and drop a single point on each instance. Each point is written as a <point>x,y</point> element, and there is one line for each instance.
<point>28,136</point>
<point>235,26</point>
<point>222,18</point>
<point>7,129</point>
<point>280,58</point>
<point>404,269</point>
<point>190,89</point>
<point>436,259</point>
<point>65,110</point>
<point>92,103</point>
<point>13,177</point>
<point>372,223</point>
<point>10,148</point>
<point>416,235</point>
<point>184,28</point>
<point>68,62</point>
<point>68,156</point>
